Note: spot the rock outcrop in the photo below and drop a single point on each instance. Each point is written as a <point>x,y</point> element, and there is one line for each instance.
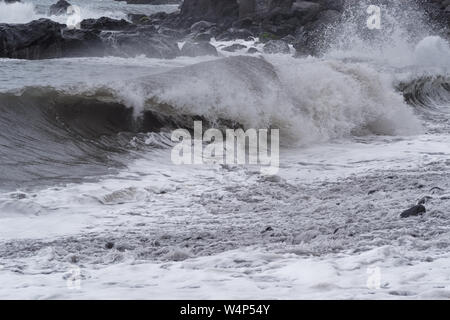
<point>276,23</point>
<point>59,8</point>
<point>45,39</point>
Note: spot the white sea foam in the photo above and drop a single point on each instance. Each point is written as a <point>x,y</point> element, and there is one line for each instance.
<point>19,12</point>
<point>432,51</point>
<point>310,99</point>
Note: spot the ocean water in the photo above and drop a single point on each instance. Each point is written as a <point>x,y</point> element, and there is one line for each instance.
<point>85,165</point>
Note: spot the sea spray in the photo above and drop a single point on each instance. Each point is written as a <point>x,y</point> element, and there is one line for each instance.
<point>17,12</point>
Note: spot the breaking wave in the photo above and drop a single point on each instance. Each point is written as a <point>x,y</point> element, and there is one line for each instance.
<point>309,100</point>
<point>54,133</point>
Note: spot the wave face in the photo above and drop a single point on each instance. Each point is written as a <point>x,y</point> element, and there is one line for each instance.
<point>49,136</point>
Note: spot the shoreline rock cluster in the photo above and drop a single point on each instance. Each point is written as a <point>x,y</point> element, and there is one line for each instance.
<point>277,23</point>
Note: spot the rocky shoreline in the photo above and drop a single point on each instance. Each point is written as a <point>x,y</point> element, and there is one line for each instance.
<point>277,23</point>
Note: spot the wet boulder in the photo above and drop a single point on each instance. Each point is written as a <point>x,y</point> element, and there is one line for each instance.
<point>233,34</point>
<point>337,5</point>
<point>414,211</point>
<point>82,43</point>
<point>305,10</point>
<point>224,11</point>
<point>171,33</point>
<point>194,49</point>
<point>138,18</point>
<point>105,23</point>
<point>234,47</point>
<point>276,46</point>
<point>46,39</point>
<point>205,37</point>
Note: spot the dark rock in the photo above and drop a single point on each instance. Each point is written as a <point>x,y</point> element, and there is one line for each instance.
<point>194,49</point>
<point>276,46</point>
<point>414,211</point>
<point>305,10</point>
<point>245,23</point>
<point>234,47</point>
<point>138,18</point>
<point>171,33</point>
<point>306,43</point>
<point>279,30</point>
<point>246,8</point>
<point>109,245</point>
<point>206,36</point>
<point>233,34</point>
<point>59,8</point>
<point>46,39</point>
<point>289,39</point>
<point>224,11</point>
<point>81,43</point>
<point>264,37</point>
<point>283,4</point>
<point>424,200</point>
<point>328,17</point>
<point>159,17</point>
<point>252,50</point>
<point>267,229</point>
<point>105,23</point>
<point>337,5</point>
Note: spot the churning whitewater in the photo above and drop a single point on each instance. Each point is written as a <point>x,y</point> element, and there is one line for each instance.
<point>87,184</point>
